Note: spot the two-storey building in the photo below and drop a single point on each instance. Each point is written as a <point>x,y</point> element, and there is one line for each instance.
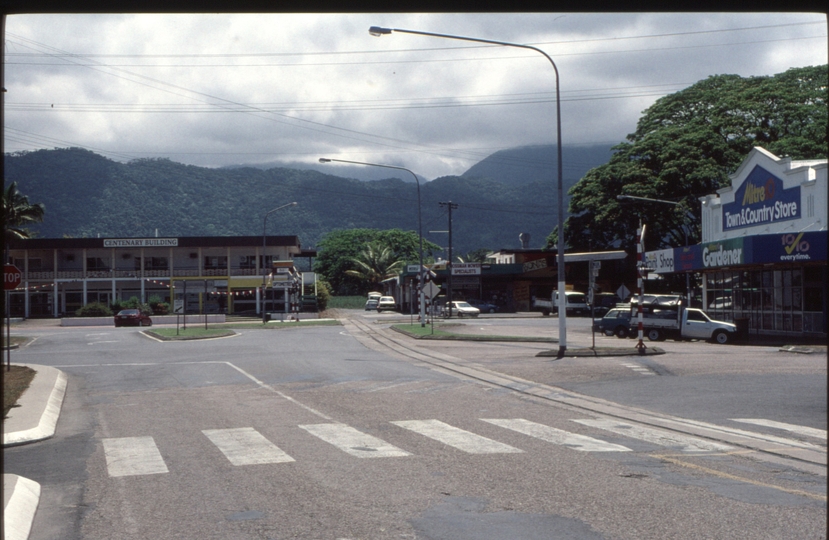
<point>206,274</point>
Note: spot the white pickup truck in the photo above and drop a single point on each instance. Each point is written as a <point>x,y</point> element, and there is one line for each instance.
<point>575,304</point>
<point>665,317</point>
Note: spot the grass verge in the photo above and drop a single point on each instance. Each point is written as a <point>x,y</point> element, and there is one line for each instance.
<point>225,330</point>
<point>191,332</point>
<point>346,302</point>
<point>416,331</point>
<point>15,382</point>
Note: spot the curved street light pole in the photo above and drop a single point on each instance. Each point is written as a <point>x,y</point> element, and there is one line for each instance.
<point>562,313</point>
<point>419,225</point>
<point>264,274</point>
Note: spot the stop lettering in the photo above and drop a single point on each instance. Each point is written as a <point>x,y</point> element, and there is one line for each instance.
<point>12,276</point>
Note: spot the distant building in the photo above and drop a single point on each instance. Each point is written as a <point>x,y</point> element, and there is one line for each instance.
<point>205,274</point>
<point>763,251</point>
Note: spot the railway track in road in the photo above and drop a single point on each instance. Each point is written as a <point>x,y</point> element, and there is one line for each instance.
<point>783,451</point>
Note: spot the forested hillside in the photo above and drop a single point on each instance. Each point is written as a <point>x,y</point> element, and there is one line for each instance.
<point>87,195</point>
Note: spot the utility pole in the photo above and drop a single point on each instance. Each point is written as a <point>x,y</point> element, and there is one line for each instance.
<point>450,205</point>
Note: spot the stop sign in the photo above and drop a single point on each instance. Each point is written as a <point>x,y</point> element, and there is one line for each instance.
<point>12,276</point>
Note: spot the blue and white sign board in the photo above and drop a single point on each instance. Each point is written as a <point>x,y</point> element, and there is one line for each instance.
<point>761,200</point>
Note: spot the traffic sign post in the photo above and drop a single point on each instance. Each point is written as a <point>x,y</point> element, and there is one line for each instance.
<point>12,276</point>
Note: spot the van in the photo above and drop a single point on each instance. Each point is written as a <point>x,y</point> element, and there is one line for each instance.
<point>575,303</point>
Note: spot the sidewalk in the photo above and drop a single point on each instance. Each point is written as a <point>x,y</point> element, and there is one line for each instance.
<point>33,420</point>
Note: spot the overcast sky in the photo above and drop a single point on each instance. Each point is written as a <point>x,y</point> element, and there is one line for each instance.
<point>214,90</point>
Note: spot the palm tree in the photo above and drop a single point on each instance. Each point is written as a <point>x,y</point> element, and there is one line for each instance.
<point>18,212</point>
<point>375,263</point>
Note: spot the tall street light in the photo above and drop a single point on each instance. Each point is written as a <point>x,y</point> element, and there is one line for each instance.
<point>673,203</point>
<point>419,225</point>
<point>562,312</point>
<point>264,228</point>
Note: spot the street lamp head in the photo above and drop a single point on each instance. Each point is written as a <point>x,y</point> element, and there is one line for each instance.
<point>325,160</point>
<point>378,31</point>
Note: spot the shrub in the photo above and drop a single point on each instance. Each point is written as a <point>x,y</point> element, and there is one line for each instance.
<point>159,308</point>
<point>95,309</point>
<point>118,305</point>
<point>323,295</point>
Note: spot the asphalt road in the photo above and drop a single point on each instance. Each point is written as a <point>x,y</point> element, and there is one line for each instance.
<point>357,432</point>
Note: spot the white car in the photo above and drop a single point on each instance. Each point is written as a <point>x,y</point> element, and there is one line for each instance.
<point>461,309</point>
<point>386,302</point>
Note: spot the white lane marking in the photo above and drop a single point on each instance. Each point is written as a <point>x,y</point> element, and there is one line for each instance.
<point>353,441</point>
<point>802,430</point>
<point>661,437</point>
<point>456,437</point>
<point>278,393</point>
<point>246,446</point>
<point>132,456</point>
<point>557,436</point>
<point>640,369</point>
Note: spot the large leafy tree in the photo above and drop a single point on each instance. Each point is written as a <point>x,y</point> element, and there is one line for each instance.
<point>685,146</point>
<point>18,213</point>
<point>375,263</point>
<point>338,249</point>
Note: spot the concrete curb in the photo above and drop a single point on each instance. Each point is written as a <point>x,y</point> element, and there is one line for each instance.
<point>20,499</point>
<point>34,420</point>
<point>37,416</point>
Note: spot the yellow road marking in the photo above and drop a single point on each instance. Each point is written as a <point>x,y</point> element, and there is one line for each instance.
<point>738,478</point>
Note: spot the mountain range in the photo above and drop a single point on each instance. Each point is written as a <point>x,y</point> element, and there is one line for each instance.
<point>88,195</point>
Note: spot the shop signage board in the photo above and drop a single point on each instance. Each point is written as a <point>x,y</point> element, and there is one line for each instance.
<point>791,247</point>
<point>729,252</point>
<point>466,269</point>
<point>761,200</point>
<point>660,262</point>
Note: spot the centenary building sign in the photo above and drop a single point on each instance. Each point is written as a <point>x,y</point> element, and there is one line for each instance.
<point>761,200</point>
<point>140,242</point>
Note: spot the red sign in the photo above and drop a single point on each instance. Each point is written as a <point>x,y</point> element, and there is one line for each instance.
<point>12,276</point>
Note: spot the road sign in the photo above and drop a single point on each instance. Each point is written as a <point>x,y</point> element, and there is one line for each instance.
<point>622,292</point>
<point>12,276</point>
<point>430,290</point>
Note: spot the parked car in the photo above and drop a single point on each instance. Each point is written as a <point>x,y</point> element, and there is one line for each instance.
<point>386,303</point>
<point>371,303</point>
<point>485,307</point>
<point>616,322</point>
<point>604,302</point>
<point>132,317</point>
<point>461,309</point>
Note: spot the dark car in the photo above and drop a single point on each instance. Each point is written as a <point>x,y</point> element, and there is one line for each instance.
<point>371,304</point>
<point>485,307</point>
<point>132,317</point>
<point>615,323</point>
<point>604,302</point>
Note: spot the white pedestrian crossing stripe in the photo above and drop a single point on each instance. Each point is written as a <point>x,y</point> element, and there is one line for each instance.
<point>557,436</point>
<point>353,441</point>
<point>685,443</point>
<point>800,430</point>
<point>246,446</point>
<point>456,437</point>
<point>132,456</point>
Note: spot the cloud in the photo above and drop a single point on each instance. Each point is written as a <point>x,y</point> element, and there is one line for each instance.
<point>218,89</point>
